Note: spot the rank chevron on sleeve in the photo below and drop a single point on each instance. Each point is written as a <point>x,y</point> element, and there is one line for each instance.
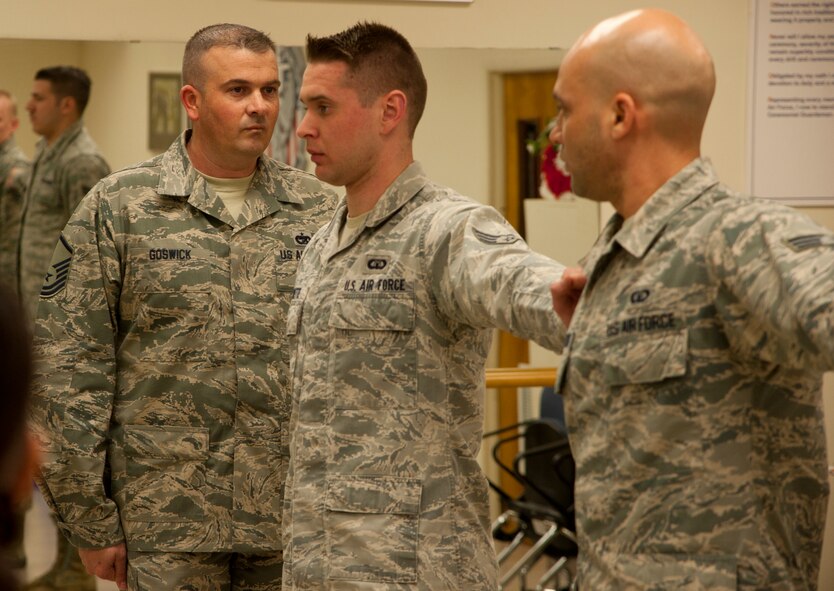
<point>56,277</point>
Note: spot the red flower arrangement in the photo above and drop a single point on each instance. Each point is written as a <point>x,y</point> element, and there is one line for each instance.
<point>554,181</point>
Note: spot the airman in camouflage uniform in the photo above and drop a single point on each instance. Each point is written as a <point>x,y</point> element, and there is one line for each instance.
<point>693,374</point>
<point>390,327</point>
<point>164,408</point>
<point>14,172</point>
<point>66,166</point>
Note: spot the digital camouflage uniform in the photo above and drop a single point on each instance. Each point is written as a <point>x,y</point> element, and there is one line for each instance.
<point>14,173</point>
<point>390,336</point>
<point>164,401</point>
<point>692,391</point>
<point>61,175</point>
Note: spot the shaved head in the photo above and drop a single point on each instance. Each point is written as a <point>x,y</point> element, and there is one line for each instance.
<point>656,58</point>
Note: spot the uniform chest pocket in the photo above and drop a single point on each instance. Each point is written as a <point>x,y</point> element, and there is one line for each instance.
<point>170,270</point>
<point>363,315</point>
<point>170,290</point>
<point>645,359</point>
<point>374,351</point>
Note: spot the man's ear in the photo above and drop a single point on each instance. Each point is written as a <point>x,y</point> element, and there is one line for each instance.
<point>624,115</point>
<point>394,106</point>
<point>67,105</point>
<point>190,99</point>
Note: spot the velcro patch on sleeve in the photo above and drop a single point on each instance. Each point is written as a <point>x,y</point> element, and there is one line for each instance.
<point>800,243</point>
<point>56,277</point>
<point>487,238</point>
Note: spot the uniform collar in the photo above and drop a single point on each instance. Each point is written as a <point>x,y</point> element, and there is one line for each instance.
<point>404,188</point>
<point>178,178</point>
<point>401,191</point>
<point>70,133</point>
<point>637,233</point>
<point>9,144</point>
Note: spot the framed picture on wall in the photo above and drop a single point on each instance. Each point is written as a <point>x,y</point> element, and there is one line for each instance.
<point>164,111</point>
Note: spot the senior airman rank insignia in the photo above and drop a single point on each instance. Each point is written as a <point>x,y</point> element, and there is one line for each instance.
<point>56,277</point>
<point>800,243</point>
<point>495,238</point>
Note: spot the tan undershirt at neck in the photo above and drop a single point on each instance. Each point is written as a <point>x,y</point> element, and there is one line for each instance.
<point>351,227</point>
<point>231,191</point>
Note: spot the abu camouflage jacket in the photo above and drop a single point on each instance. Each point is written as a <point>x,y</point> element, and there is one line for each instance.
<point>162,400</point>
<point>62,174</point>
<point>14,174</point>
<point>390,334</point>
<point>692,393</point>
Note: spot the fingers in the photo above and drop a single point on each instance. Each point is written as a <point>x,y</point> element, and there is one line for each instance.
<point>121,569</point>
<point>574,278</point>
<point>566,292</point>
<point>109,564</point>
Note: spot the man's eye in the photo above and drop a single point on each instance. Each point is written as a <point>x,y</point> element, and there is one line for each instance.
<point>323,109</point>
<point>270,91</point>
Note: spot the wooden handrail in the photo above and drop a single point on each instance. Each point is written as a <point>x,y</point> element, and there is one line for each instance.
<point>520,377</point>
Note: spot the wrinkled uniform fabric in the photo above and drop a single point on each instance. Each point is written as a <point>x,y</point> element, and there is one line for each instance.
<point>203,571</point>
<point>61,175</point>
<point>163,397</point>
<point>390,336</point>
<point>692,391</point>
<point>14,174</point>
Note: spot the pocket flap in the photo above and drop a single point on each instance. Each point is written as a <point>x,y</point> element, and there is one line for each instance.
<point>376,312</point>
<point>151,441</point>
<point>374,494</point>
<point>677,571</point>
<point>645,360</point>
<point>169,267</point>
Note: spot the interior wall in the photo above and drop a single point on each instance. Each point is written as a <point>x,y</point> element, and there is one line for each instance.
<point>482,23</point>
<point>118,119</point>
<point>18,63</point>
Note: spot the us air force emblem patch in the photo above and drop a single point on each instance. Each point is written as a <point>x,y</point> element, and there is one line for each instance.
<point>495,238</point>
<point>56,276</point>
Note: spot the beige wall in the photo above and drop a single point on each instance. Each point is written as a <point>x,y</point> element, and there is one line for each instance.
<point>18,64</point>
<point>454,140</point>
<point>530,24</point>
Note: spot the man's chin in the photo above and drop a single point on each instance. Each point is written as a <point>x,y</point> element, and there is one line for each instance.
<point>254,149</point>
<point>325,175</point>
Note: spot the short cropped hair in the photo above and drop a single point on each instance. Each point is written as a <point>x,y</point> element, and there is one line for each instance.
<point>12,100</point>
<point>220,35</point>
<point>379,60</point>
<point>68,81</point>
